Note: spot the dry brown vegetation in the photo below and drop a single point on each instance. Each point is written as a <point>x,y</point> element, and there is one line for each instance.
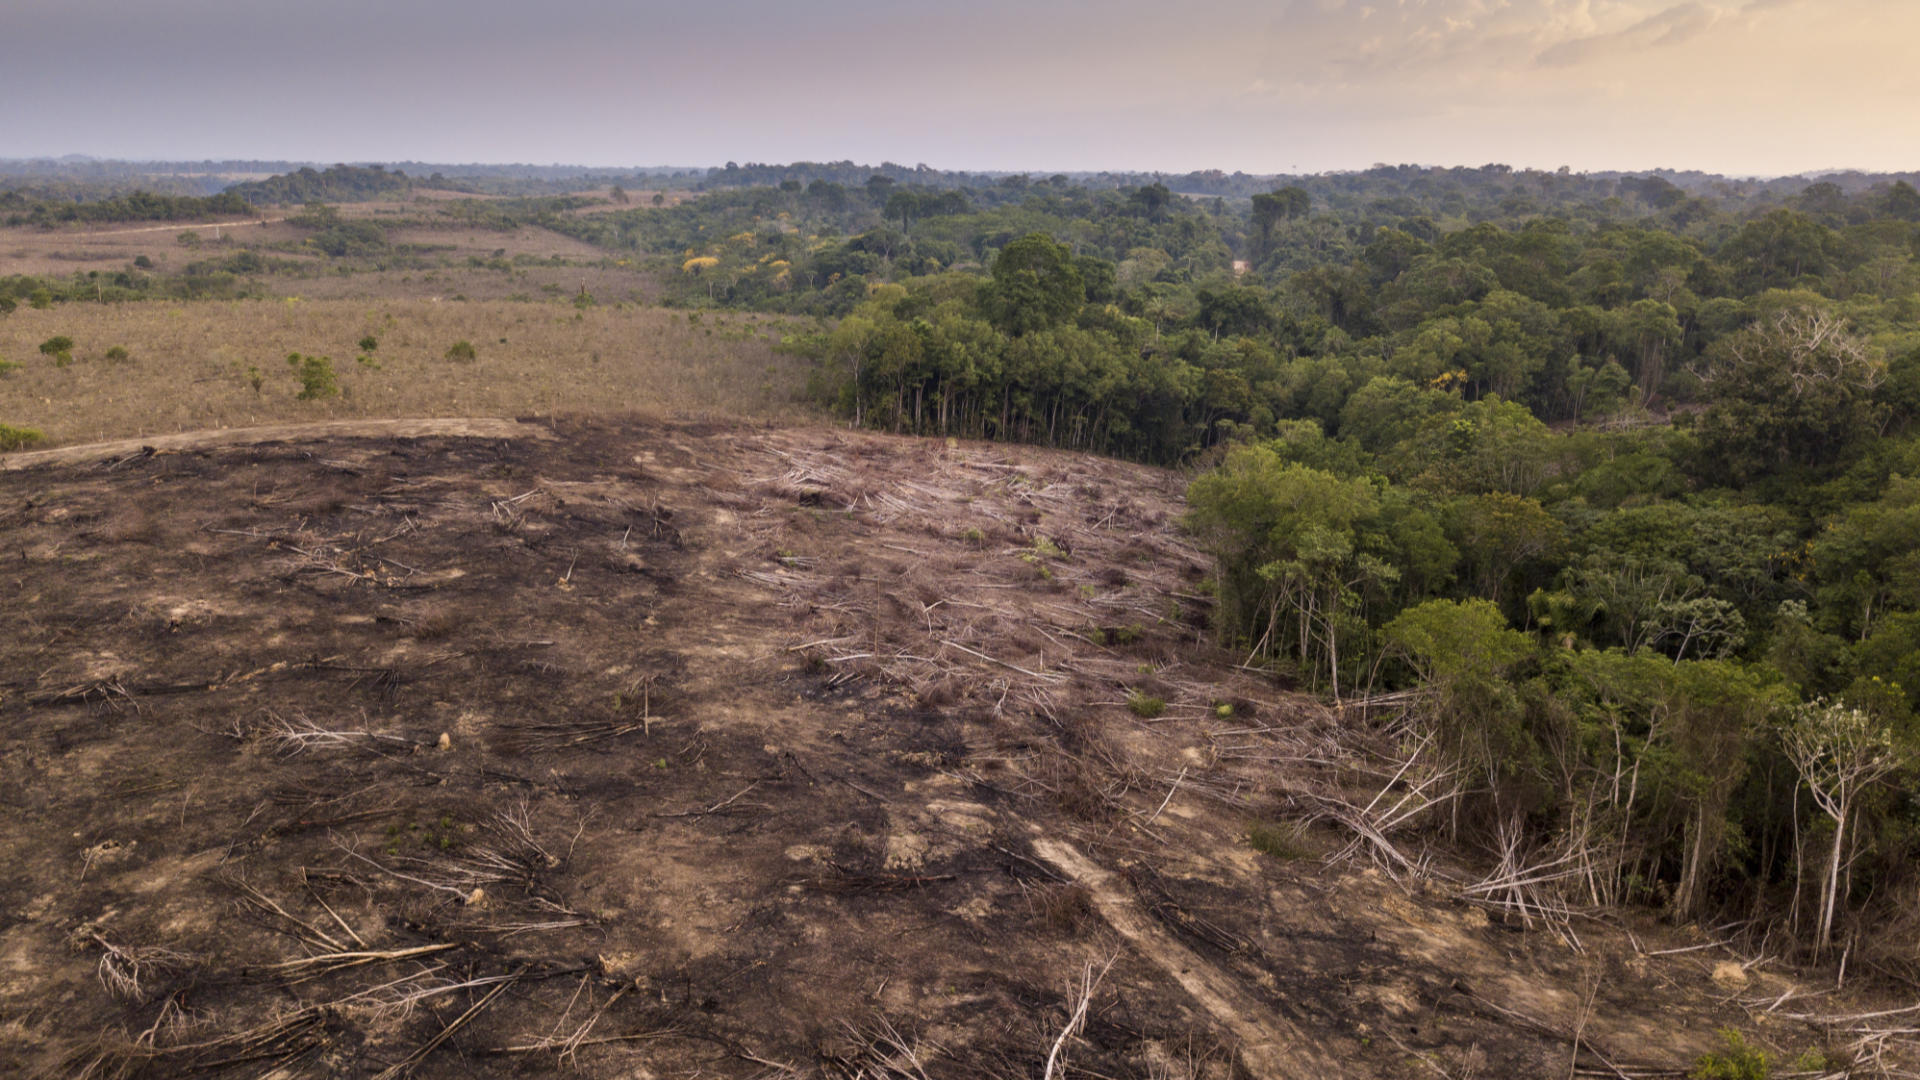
<point>60,251</point>
<point>192,364</point>
<point>675,750</point>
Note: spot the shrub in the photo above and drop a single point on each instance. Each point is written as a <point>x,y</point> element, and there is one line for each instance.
<point>60,347</point>
<point>1145,706</point>
<point>1739,1062</point>
<point>462,351</point>
<point>40,299</point>
<point>1275,841</point>
<point>18,438</point>
<point>316,376</point>
<point>6,367</point>
<point>369,343</point>
<point>119,354</point>
<point>143,262</point>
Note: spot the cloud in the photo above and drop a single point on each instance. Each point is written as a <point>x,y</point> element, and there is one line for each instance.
<point>1675,25</point>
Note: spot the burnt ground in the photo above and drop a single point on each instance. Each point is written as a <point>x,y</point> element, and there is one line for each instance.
<point>656,750</point>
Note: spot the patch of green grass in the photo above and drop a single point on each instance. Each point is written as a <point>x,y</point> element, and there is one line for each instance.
<point>462,351</point>
<point>1045,548</point>
<point>1145,706</point>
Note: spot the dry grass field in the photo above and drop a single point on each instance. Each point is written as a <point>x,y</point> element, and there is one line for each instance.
<point>61,251</point>
<point>193,365</point>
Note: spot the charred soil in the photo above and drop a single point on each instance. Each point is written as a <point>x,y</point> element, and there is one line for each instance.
<point>660,750</point>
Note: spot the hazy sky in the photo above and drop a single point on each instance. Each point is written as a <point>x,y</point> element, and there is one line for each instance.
<point>1737,86</point>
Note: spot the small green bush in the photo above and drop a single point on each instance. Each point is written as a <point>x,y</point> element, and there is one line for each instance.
<point>143,262</point>
<point>1145,706</point>
<point>19,438</point>
<point>1740,1061</point>
<point>119,354</point>
<point>60,347</point>
<point>316,376</point>
<point>369,343</point>
<point>1275,841</point>
<point>462,351</point>
<point>40,299</point>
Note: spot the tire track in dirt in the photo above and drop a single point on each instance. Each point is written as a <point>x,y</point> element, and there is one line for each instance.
<point>1269,1046</point>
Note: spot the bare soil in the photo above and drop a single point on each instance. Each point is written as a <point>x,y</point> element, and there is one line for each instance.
<point>674,750</point>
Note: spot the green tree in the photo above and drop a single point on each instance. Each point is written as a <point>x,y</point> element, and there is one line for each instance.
<point>1500,533</point>
<point>1298,557</point>
<point>1462,653</point>
<point>1272,208</point>
<point>1035,284</point>
<point>1794,391</point>
<point>59,348</point>
<point>316,376</point>
<point>1715,709</point>
<point>1867,559</point>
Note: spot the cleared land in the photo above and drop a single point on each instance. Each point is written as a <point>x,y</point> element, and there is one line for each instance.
<point>192,365</point>
<point>677,750</point>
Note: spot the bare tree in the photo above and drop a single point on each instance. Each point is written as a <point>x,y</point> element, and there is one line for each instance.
<point>1839,752</point>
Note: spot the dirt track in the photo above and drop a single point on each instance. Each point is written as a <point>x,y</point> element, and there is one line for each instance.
<point>465,427</point>
<point>681,750</point>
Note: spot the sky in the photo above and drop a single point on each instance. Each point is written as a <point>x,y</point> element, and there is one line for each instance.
<point>1743,87</point>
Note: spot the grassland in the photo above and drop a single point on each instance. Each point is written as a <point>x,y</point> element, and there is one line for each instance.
<point>192,365</point>
<point>197,364</point>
